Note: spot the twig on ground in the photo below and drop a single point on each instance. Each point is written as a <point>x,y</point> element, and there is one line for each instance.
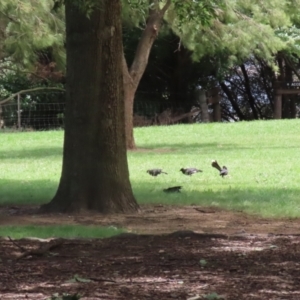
<point>17,245</point>
<point>42,250</point>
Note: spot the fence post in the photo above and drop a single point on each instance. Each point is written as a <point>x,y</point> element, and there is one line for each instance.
<point>19,112</point>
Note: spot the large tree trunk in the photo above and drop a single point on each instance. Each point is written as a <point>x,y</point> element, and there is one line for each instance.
<point>95,172</point>
<point>129,93</point>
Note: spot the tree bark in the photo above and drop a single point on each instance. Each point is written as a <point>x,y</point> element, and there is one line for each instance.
<point>133,75</point>
<point>289,103</point>
<point>249,93</point>
<point>129,93</point>
<point>234,104</point>
<point>95,172</point>
<point>277,106</point>
<point>202,100</point>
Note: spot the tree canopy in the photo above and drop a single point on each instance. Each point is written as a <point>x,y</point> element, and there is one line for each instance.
<point>217,36</point>
<point>29,29</point>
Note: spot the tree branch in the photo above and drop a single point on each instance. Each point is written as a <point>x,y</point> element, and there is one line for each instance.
<point>42,249</point>
<point>126,76</point>
<point>165,8</point>
<point>148,37</point>
<point>249,93</point>
<point>30,90</point>
<point>25,72</point>
<point>9,17</point>
<point>232,101</point>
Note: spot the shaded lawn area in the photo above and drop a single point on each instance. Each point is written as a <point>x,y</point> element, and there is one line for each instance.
<point>19,230</point>
<point>182,265</point>
<point>262,158</point>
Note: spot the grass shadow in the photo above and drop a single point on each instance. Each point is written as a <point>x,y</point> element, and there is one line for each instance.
<point>204,147</point>
<point>29,192</point>
<point>35,153</point>
<point>265,201</point>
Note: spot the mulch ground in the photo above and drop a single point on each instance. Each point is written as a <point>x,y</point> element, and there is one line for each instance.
<point>182,265</point>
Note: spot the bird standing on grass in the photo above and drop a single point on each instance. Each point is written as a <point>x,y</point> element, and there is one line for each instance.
<point>155,172</point>
<point>173,189</point>
<point>189,171</point>
<point>223,171</point>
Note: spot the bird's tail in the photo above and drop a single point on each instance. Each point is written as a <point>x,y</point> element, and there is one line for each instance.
<point>164,172</point>
<point>216,165</point>
<point>173,189</point>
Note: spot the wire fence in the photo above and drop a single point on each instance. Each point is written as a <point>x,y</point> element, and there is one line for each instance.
<point>35,111</point>
<point>42,116</point>
<point>46,111</point>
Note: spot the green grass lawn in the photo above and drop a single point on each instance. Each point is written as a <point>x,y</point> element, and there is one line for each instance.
<point>66,231</point>
<point>262,157</point>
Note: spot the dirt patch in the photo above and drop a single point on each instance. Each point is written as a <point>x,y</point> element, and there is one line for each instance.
<point>178,266</point>
<point>158,219</point>
<point>226,256</point>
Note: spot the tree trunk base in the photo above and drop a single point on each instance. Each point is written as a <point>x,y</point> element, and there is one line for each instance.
<point>51,208</point>
<point>131,145</point>
<point>56,206</point>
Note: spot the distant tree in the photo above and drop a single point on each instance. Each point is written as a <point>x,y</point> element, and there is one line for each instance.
<point>271,40</point>
<point>95,173</point>
<point>150,14</point>
<point>30,29</point>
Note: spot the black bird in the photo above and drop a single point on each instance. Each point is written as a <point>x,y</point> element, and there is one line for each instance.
<point>189,171</point>
<point>155,172</point>
<point>173,189</point>
<point>223,170</point>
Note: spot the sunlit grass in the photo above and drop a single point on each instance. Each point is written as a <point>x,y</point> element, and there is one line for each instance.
<point>262,157</point>
<point>65,231</point>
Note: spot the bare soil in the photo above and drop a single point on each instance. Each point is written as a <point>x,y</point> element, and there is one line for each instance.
<point>171,253</point>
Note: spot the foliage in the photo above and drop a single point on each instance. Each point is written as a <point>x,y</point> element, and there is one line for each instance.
<point>214,31</point>
<point>226,35</point>
<point>291,37</point>
<point>31,26</point>
<point>86,6</point>
<point>199,12</point>
<point>134,13</point>
<point>221,44</point>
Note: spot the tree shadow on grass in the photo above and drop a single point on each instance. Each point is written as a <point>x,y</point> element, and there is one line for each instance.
<point>26,192</point>
<point>275,201</point>
<point>31,153</point>
<point>266,201</point>
<point>204,147</point>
